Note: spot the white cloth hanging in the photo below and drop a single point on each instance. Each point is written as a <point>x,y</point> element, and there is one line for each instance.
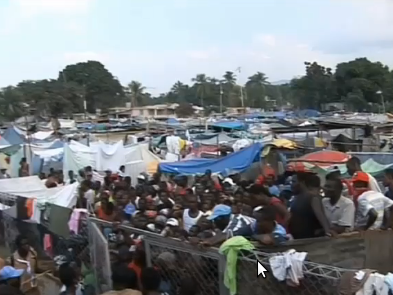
<point>288,266</point>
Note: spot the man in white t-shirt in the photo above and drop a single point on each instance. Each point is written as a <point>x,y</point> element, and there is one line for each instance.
<point>374,209</point>
<point>354,165</point>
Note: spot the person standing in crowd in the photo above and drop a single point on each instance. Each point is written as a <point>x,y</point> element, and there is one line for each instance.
<point>24,169</point>
<point>151,281</point>
<point>229,224</point>
<point>69,278</point>
<point>388,183</point>
<point>354,165</point>
<point>71,177</point>
<point>24,258</point>
<point>125,281</point>
<point>87,194</point>
<point>192,214</point>
<point>308,219</point>
<point>122,171</point>
<point>374,209</point>
<point>339,210</point>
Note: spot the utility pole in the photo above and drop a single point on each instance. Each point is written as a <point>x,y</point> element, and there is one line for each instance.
<point>382,100</point>
<point>239,69</point>
<point>221,93</point>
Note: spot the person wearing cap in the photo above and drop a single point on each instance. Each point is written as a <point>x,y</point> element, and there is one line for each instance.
<point>229,225</point>
<point>11,276</point>
<point>354,165</point>
<point>372,206</point>
<point>229,185</point>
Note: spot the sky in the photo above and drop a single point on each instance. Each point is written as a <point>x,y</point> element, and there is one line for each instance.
<point>158,42</point>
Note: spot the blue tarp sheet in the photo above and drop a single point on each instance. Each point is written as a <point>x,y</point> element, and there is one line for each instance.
<point>3,142</point>
<point>12,136</point>
<point>277,115</point>
<point>233,163</point>
<point>172,121</point>
<point>229,124</point>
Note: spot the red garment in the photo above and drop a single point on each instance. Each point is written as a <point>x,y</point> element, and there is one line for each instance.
<point>260,179</point>
<point>348,183</point>
<point>279,219</point>
<point>217,186</point>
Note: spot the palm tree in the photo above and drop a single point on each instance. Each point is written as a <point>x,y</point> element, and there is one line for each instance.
<point>178,87</point>
<point>259,79</point>
<point>202,86</point>
<point>137,92</point>
<point>256,86</point>
<point>229,78</point>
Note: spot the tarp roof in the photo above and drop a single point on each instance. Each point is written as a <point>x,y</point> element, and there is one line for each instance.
<point>233,163</point>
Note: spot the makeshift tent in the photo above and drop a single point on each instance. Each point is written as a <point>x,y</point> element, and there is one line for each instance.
<point>370,166</point>
<point>229,125</point>
<point>323,158</point>
<point>13,136</point>
<point>214,139</point>
<point>233,163</point>
<point>3,142</point>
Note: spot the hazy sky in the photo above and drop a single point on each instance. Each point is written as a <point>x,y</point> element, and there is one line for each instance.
<point>158,42</point>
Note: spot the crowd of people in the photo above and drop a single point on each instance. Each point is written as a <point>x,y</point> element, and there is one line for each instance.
<point>208,209</point>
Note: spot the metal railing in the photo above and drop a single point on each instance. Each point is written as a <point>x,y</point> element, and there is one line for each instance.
<point>177,259</point>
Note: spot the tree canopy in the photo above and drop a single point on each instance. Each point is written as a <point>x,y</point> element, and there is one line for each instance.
<point>361,84</point>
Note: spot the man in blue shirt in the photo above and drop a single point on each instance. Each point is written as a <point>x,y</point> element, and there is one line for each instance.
<point>266,229</point>
<point>229,224</point>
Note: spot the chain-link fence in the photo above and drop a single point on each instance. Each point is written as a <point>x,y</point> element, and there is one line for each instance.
<point>46,243</point>
<point>178,259</point>
<point>100,259</point>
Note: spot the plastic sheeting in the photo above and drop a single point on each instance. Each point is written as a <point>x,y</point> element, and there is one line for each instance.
<point>102,157</point>
<point>76,157</point>
<point>370,166</point>
<point>214,139</point>
<point>229,124</point>
<point>233,163</point>
<point>22,186</point>
<point>110,156</point>
<point>12,136</point>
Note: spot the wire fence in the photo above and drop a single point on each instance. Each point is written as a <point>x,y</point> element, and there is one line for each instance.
<point>176,259</point>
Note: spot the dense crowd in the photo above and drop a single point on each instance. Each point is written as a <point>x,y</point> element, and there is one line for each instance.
<point>208,209</point>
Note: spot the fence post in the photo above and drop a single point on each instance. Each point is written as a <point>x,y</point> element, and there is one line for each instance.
<point>222,261</point>
<point>148,252</point>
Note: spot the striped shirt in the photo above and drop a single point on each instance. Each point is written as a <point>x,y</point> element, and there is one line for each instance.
<point>240,225</point>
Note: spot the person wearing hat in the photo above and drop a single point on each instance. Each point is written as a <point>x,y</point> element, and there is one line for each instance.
<point>229,225</point>
<point>354,165</point>
<point>11,276</point>
<point>371,205</point>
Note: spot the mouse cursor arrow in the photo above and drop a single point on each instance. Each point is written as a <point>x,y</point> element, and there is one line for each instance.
<point>261,270</point>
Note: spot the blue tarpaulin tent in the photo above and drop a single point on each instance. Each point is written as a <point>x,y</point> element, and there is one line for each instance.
<point>172,121</point>
<point>12,136</point>
<point>233,163</point>
<point>229,124</point>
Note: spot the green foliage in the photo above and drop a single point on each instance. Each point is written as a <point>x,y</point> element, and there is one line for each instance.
<point>362,85</point>
<point>101,89</point>
<point>184,110</point>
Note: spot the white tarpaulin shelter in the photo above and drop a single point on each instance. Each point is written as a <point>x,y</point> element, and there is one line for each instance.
<point>101,156</point>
